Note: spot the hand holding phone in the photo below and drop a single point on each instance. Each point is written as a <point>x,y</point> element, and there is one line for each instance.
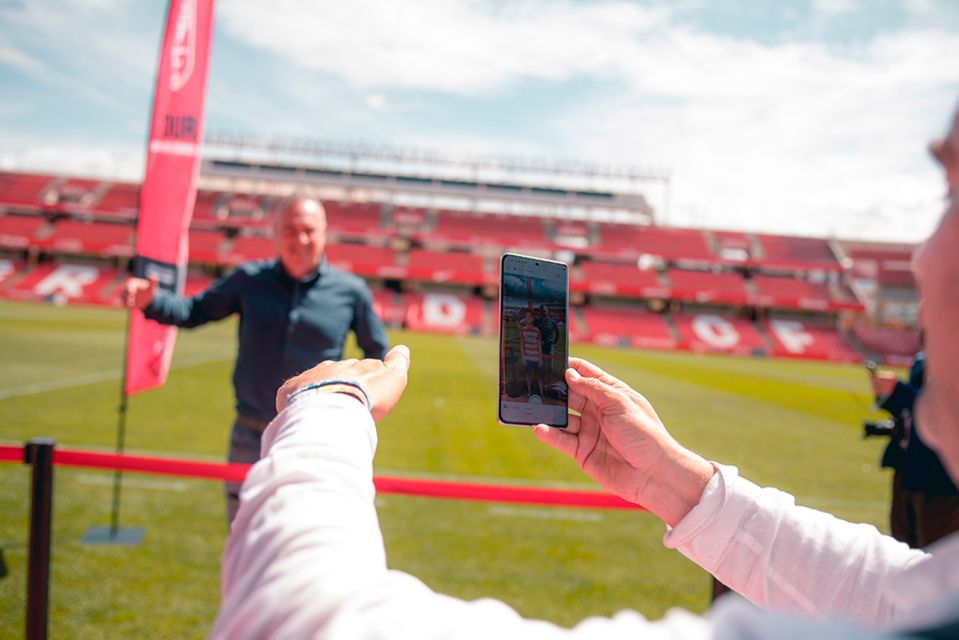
<point>533,341</point>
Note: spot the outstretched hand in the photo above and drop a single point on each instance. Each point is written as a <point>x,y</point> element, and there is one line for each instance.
<point>620,442</point>
<point>384,380</point>
<point>138,292</point>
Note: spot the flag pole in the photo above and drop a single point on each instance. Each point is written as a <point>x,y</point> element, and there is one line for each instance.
<point>121,436</point>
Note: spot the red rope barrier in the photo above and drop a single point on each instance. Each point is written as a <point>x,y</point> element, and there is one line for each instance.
<point>11,454</point>
<point>402,486</point>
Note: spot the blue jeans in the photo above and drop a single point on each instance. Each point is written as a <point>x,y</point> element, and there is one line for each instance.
<point>244,449</point>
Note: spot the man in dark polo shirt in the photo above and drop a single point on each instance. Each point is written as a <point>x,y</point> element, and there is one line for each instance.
<point>295,310</point>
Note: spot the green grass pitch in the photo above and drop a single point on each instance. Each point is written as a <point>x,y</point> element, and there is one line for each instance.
<point>794,425</point>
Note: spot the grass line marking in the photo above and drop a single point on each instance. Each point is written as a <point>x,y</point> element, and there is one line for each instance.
<point>93,378</point>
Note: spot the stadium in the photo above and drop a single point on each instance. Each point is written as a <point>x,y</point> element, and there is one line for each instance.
<point>750,343</point>
<point>427,232</point>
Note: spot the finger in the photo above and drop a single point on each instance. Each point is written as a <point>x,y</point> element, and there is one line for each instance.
<point>557,438</point>
<point>398,358</point>
<point>586,368</point>
<point>575,399</point>
<point>594,391</point>
<point>574,424</point>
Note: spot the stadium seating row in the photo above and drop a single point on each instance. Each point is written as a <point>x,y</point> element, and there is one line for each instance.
<point>443,228</point>
<point>83,237</point>
<point>65,283</point>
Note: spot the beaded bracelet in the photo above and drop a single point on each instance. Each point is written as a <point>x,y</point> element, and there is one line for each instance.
<point>353,384</point>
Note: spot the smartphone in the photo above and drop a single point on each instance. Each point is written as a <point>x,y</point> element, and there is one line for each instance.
<point>533,341</point>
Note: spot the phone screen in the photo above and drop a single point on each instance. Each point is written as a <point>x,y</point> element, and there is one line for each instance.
<point>533,341</point>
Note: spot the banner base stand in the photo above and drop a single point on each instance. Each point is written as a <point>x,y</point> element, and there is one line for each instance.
<point>126,536</point>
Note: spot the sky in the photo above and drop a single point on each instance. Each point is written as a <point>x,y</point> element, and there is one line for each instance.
<point>806,117</point>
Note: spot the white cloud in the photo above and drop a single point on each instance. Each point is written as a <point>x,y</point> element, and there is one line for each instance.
<point>13,57</point>
<point>792,138</point>
<point>834,7</point>
<point>457,46</point>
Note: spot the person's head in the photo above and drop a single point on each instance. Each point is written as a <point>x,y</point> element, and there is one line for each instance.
<point>936,264</point>
<point>544,311</point>
<point>527,316</point>
<point>300,235</point>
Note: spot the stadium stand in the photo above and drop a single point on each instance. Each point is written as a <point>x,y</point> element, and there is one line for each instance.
<point>205,246</point>
<point>364,260</point>
<point>718,333</point>
<point>466,229</point>
<point>624,326</point>
<point>196,283</point>
<point>668,243</point>
<point>23,189</point>
<point>79,237</point>
<point>390,306</point>
<point>788,252</point>
<point>357,220</point>
<point>205,208</point>
<point>444,313</point>
<point>408,221</point>
<point>46,217</point>
<point>707,286</point>
<point>443,266</point>
<point>62,283</point>
<point>785,292</point>
<point>249,247</point>
<point>20,232</point>
<point>795,338</point>
<point>617,279</point>
<point>119,201</point>
<point>732,246</point>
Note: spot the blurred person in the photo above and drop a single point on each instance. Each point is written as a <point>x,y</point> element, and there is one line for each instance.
<point>925,504</point>
<point>531,353</point>
<point>549,335</point>
<point>295,310</point>
<point>305,557</point>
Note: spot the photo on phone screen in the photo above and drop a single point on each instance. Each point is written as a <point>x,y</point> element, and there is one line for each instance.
<point>533,341</point>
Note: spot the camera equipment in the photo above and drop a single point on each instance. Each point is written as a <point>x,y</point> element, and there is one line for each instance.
<point>885,428</point>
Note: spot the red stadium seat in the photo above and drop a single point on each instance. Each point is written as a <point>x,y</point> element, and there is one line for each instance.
<point>250,248</point>
<point>359,220</point>
<point>89,238</point>
<point>363,260</point>
<point>23,189</point>
<point>444,313</point>
<point>19,232</point>
<point>80,283</point>
<point>785,292</point>
<point>451,267</point>
<point>622,279</point>
<point>666,242</point>
<point>205,246</point>
<point>617,326</point>
<point>469,229</point>
<point>121,200</point>
<point>718,333</point>
<point>706,286</point>
<point>797,253</point>
<point>808,339</point>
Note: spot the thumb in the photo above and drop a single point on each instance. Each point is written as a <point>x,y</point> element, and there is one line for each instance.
<point>398,358</point>
<point>154,282</point>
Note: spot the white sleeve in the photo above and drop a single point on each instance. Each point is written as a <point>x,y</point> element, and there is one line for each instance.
<point>789,558</point>
<point>305,555</point>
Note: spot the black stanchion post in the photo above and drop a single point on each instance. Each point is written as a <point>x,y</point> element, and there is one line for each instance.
<point>39,454</point>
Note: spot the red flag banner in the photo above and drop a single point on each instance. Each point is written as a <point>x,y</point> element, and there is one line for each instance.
<point>169,189</point>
